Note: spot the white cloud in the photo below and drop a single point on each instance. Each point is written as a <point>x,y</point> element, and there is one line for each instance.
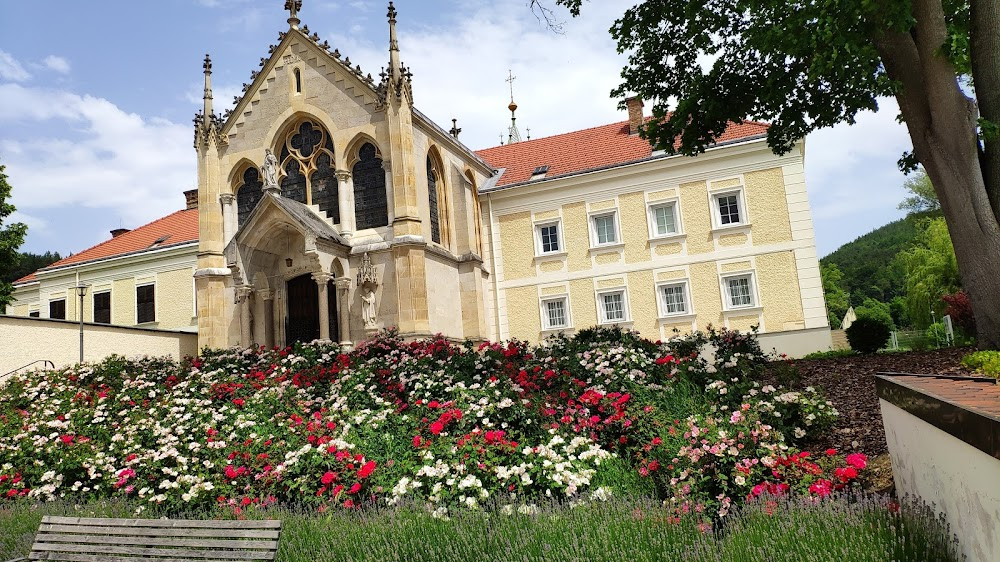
<point>12,70</point>
<point>58,64</point>
<point>95,156</point>
<point>460,66</point>
<point>222,95</point>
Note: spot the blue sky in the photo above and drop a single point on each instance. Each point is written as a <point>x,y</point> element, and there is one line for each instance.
<point>96,99</point>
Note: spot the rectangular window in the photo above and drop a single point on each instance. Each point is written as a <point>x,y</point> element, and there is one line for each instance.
<point>612,306</point>
<point>739,291</point>
<point>604,229</point>
<point>674,298</point>
<point>34,314</point>
<point>57,309</point>
<point>729,208</point>
<point>554,313</point>
<point>664,220</point>
<point>102,308</point>
<point>548,238</point>
<point>145,304</point>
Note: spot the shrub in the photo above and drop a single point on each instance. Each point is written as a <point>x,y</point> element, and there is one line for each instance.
<point>985,362</point>
<point>831,354</point>
<point>868,334</point>
<point>959,307</point>
<point>937,334</point>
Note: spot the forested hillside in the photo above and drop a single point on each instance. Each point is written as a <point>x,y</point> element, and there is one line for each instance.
<point>868,263</point>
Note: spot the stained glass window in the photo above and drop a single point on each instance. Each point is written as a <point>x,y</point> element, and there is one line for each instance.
<point>323,183</point>
<point>293,185</point>
<point>248,194</point>
<point>370,204</point>
<point>432,197</point>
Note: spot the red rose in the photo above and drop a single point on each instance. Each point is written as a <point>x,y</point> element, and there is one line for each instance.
<point>366,470</point>
<point>437,427</point>
<point>355,488</point>
<point>328,478</point>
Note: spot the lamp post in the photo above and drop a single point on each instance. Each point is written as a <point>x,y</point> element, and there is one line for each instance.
<point>81,290</point>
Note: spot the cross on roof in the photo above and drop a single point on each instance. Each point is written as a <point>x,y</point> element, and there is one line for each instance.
<point>293,7</point>
<point>510,80</point>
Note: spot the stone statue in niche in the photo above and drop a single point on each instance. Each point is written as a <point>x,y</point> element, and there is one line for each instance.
<point>368,309</point>
<point>270,169</point>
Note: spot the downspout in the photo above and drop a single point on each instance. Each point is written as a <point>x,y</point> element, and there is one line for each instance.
<point>493,267</point>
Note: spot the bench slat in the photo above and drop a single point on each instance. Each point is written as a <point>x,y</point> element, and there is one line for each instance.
<point>158,541</point>
<point>150,551</point>
<point>170,523</point>
<point>160,532</point>
<point>73,557</point>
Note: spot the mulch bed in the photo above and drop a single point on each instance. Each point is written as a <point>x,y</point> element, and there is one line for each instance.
<point>849,382</point>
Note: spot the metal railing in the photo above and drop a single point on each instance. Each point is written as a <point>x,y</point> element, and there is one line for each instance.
<point>50,365</point>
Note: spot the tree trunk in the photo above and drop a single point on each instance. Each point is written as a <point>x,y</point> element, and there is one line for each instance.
<point>942,124</point>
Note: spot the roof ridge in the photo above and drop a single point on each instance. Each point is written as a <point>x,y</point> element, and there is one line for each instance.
<point>112,239</point>
<point>529,141</point>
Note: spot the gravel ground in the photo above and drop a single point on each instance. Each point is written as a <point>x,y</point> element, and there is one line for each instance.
<point>850,384</point>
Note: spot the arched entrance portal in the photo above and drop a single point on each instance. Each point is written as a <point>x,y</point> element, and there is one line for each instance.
<point>302,321</point>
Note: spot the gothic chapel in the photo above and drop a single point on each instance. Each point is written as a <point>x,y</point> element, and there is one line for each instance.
<point>329,207</point>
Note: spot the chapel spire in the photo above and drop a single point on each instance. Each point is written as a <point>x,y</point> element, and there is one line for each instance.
<point>293,7</point>
<point>207,110</point>
<point>513,135</point>
<point>395,67</point>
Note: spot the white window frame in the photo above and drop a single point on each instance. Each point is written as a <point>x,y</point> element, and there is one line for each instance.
<point>662,301</point>
<point>544,311</point>
<point>727,296</point>
<point>741,203</point>
<point>602,317</point>
<point>651,209</point>
<point>539,246</point>
<point>592,220</point>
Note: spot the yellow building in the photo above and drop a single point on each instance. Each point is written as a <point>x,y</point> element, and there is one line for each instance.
<point>329,207</point>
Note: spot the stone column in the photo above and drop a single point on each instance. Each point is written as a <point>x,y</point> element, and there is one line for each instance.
<point>390,194</point>
<point>228,217</point>
<point>243,294</point>
<point>344,310</point>
<point>322,281</point>
<point>345,199</point>
<point>267,298</point>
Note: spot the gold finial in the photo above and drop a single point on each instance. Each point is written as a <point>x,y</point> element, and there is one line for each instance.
<point>293,7</point>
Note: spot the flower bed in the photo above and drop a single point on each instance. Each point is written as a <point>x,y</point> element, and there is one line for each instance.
<point>604,413</point>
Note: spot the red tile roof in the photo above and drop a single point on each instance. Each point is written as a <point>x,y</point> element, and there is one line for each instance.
<point>178,228</point>
<point>589,149</point>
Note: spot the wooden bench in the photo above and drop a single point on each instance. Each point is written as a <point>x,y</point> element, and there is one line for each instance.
<point>161,540</point>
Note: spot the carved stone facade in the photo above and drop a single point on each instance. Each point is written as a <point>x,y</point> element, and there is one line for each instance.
<point>343,244</point>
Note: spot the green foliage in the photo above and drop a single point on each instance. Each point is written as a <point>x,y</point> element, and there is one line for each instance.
<point>11,238</point>
<point>869,334</point>
<point>937,335</point>
<point>899,312</point>
<point>831,354</point>
<point>931,272</point>
<point>29,263</point>
<point>880,311</point>
<point>985,362</point>
<point>922,196</point>
<point>867,263</point>
<point>837,297</point>
<point>855,528</point>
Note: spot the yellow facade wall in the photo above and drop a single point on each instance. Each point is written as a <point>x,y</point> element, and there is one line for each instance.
<point>768,208</point>
<point>577,236</point>
<point>778,285</point>
<point>705,295</point>
<point>174,298</point>
<point>18,310</point>
<point>733,239</point>
<point>583,303</point>
<point>744,323</point>
<point>671,275</point>
<point>697,217</point>
<point>642,301</point>
<point>123,302</point>
<point>516,243</point>
<point>635,232</point>
<point>668,249</point>
<point>523,317</point>
<point>736,266</point>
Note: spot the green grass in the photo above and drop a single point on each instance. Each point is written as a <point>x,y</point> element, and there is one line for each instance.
<point>637,530</point>
<point>831,354</point>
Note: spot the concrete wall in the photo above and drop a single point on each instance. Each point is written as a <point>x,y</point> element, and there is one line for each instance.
<point>23,340</point>
<point>958,479</point>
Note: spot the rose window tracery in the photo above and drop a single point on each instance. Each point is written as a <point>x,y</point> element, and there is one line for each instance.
<point>308,171</point>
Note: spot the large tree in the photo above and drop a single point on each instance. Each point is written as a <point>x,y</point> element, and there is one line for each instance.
<point>807,64</point>
<point>11,238</point>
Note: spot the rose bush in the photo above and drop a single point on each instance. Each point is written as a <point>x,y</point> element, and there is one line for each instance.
<point>442,423</point>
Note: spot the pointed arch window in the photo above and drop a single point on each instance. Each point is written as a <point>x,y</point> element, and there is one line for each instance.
<point>432,197</point>
<point>308,168</point>
<point>370,203</point>
<point>248,194</point>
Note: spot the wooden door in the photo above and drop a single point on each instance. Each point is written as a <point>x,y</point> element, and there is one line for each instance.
<point>302,322</point>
